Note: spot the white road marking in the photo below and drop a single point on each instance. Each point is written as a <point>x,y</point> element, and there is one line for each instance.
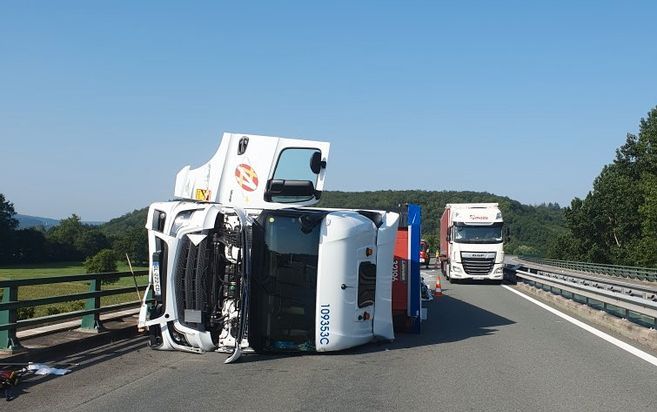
<point>626,347</point>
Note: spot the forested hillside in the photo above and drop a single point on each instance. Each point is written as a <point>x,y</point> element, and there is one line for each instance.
<point>128,234</point>
<point>70,239</point>
<point>531,228</point>
<point>127,222</point>
<point>617,221</point>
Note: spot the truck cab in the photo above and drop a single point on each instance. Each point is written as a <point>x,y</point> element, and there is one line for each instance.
<point>239,262</point>
<point>425,257</point>
<point>471,242</point>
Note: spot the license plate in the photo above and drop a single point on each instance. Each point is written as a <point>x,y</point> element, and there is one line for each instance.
<point>156,279</point>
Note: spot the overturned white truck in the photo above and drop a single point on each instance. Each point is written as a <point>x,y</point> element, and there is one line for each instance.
<point>239,263</point>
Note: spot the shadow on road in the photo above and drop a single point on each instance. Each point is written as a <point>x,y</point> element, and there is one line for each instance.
<point>449,320</point>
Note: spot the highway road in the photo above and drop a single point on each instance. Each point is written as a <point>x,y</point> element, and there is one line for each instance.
<point>483,348</point>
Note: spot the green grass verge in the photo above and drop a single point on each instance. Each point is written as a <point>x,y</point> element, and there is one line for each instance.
<point>52,269</point>
<point>65,288</point>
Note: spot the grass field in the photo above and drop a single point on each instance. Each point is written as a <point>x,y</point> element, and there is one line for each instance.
<point>52,269</point>
<point>64,288</point>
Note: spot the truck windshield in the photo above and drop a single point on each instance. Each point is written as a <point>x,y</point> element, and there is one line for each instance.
<point>478,234</point>
<point>284,283</point>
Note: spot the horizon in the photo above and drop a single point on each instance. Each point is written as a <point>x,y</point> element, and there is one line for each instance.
<point>546,204</point>
<point>102,104</point>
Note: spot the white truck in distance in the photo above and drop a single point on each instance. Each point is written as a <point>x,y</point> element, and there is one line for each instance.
<point>239,264</point>
<point>471,243</point>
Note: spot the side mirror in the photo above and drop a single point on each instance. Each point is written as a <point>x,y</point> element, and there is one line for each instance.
<point>507,235</point>
<point>289,188</point>
<point>316,162</point>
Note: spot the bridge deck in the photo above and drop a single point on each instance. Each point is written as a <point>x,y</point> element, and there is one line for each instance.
<point>483,348</point>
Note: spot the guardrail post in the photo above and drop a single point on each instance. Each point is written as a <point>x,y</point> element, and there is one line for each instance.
<point>92,321</point>
<point>8,340</point>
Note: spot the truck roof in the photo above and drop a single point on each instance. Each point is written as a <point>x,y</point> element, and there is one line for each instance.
<point>471,205</point>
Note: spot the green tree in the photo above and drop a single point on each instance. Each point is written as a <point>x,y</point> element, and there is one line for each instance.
<point>73,240</point>
<point>90,241</point>
<point>29,246</point>
<point>8,226</point>
<point>103,262</point>
<point>617,221</point>
<point>134,243</point>
<point>62,239</point>
<point>7,212</point>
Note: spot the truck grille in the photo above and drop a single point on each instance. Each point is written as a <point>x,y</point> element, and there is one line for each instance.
<point>192,280</point>
<point>477,264</point>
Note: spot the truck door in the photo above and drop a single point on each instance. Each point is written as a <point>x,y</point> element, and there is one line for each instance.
<point>258,172</point>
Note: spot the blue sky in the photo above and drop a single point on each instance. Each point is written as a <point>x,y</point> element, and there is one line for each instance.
<point>101,103</point>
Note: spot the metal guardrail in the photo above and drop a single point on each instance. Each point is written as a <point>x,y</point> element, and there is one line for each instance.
<point>627,302</point>
<point>637,299</point>
<point>10,303</point>
<point>631,272</point>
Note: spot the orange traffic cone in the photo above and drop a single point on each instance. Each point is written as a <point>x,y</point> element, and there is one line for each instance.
<point>438,291</point>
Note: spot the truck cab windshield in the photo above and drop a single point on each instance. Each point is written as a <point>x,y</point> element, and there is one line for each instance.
<point>478,234</point>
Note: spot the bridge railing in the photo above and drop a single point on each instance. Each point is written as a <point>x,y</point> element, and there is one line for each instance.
<point>90,315</point>
<point>632,272</point>
<point>626,302</point>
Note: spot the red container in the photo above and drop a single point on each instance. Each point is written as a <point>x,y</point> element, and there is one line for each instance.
<point>400,273</point>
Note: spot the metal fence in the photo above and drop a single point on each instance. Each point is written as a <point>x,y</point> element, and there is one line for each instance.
<point>631,272</point>
<point>620,300</point>
<point>90,315</point>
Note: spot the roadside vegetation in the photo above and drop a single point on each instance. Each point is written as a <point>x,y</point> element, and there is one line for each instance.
<point>65,269</point>
<point>616,222</point>
<point>70,240</point>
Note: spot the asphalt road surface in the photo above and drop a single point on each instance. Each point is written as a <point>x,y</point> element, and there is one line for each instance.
<point>482,348</point>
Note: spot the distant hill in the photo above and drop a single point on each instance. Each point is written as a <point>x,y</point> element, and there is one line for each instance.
<point>27,221</point>
<point>122,224</point>
<point>532,228</point>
